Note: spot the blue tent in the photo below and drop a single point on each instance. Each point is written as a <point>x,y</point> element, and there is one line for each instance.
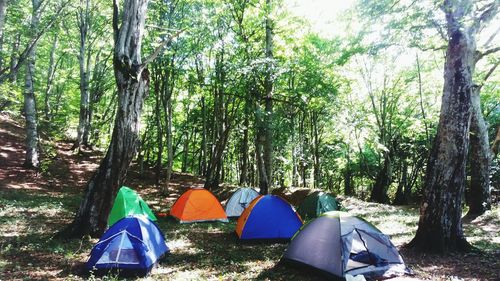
<point>132,245</point>
<point>268,217</point>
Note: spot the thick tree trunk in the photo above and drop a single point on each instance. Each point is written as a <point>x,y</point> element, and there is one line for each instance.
<point>32,153</point>
<point>440,225</point>
<point>132,79</point>
<point>479,193</point>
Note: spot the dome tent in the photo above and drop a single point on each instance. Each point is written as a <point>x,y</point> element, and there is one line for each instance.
<point>268,217</point>
<point>132,245</point>
<point>316,204</point>
<point>337,243</point>
<point>127,203</point>
<point>240,199</point>
<point>198,205</point>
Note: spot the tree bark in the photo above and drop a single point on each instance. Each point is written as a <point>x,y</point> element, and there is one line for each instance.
<point>479,192</point>
<point>132,79</point>
<point>268,117</point>
<point>244,147</point>
<point>221,127</point>
<point>32,153</point>
<point>159,130</point>
<point>14,59</point>
<point>203,153</point>
<point>382,181</point>
<point>84,118</point>
<point>50,76</point>
<point>348,189</point>
<point>440,225</point>
<point>3,11</point>
<point>170,147</point>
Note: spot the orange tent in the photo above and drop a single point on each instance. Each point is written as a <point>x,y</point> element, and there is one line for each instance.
<point>196,205</point>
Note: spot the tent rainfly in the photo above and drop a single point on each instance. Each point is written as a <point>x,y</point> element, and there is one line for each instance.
<point>240,199</point>
<point>316,204</point>
<point>268,217</point>
<point>198,205</point>
<point>337,243</point>
<point>128,203</point>
<point>132,246</point>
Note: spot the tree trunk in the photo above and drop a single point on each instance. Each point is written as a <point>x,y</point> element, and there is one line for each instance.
<point>244,147</point>
<point>132,79</point>
<point>170,147</point>
<point>348,190</point>
<point>268,117</point>
<point>203,153</point>
<point>50,77</point>
<point>440,225</point>
<point>382,181</point>
<point>479,193</point>
<point>32,153</point>
<point>221,127</point>
<point>3,11</point>
<point>14,59</point>
<point>159,130</point>
<point>400,197</point>
<point>317,141</point>
<point>84,118</point>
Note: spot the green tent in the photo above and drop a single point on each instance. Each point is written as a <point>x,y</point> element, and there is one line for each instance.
<point>316,204</point>
<point>128,203</point>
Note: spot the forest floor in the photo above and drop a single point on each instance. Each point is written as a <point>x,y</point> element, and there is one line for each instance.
<point>36,205</point>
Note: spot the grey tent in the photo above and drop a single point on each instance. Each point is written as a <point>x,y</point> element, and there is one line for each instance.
<point>240,199</point>
<point>338,243</point>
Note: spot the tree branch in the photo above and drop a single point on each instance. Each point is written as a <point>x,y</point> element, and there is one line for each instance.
<point>488,74</point>
<point>480,55</point>
<point>489,11</point>
<point>24,54</point>
<point>158,49</point>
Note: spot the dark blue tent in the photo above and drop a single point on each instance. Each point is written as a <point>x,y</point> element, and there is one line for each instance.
<point>337,243</point>
<point>132,245</point>
<point>268,217</point>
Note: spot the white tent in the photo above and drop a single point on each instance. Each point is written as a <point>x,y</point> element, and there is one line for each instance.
<point>240,199</point>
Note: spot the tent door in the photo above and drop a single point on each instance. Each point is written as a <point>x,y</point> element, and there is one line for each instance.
<point>119,251</point>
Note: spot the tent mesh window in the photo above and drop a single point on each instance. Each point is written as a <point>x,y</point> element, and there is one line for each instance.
<point>119,250</point>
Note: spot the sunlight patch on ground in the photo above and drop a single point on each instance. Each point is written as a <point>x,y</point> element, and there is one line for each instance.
<point>181,245</point>
<point>195,274</point>
<point>23,186</point>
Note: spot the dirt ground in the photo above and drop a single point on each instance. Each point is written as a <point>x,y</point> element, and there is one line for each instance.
<point>34,205</point>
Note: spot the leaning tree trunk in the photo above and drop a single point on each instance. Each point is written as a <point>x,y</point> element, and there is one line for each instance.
<point>32,152</point>
<point>440,225</point>
<point>479,194</point>
<point>132,79</point>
